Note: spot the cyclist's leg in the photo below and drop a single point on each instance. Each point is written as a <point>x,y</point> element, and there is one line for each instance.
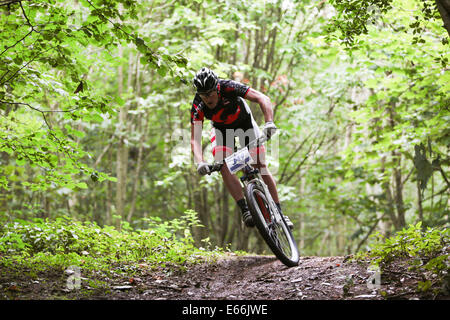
<point>232,184</point>
<point>269,181</point>
<point>249,132</point>
<point>259,155</point>
<point>222,149</point>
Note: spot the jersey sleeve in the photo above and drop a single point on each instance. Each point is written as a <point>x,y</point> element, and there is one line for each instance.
<point>196,111</point>
<point>234,88</point>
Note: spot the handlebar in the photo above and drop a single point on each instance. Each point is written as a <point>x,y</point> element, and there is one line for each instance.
<point>215,167</point>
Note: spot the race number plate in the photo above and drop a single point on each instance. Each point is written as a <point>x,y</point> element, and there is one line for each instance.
<point>237,160</point>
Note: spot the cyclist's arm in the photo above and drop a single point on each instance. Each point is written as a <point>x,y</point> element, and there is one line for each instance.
<point>196,141</point>
<point>263,101</point>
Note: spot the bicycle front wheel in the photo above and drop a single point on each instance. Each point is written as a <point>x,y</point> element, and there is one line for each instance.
<point>277,235</point>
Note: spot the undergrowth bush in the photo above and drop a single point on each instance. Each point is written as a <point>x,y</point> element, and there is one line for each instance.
<point>424,251</point>
<point>64,242</point>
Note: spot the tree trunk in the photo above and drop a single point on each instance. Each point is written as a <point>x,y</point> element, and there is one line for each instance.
<point>400,205</point>
<point>419,201</point>
<point>201,207</point>
<point>108,218</point>
<point>121,165</point>
<point>197,231</point>
<point>143,129</point>
<point>301,227</point>
<point>138,168</point>
<point>444,9</point>
<point>225,215</point>
<point>397,175</point>
<point>45,206</point>
<point>388,197</point>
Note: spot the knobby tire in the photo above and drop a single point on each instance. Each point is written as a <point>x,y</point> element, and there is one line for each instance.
<point>277,236</point>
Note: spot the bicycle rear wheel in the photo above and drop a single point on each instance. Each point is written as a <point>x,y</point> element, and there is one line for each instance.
<point>278,236</point>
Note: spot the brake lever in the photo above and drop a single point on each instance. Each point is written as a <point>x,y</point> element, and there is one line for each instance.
<point>215,167</point>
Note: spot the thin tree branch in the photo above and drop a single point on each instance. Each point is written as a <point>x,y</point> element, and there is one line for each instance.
<point>369,233</point>
<point>303,161</point>
<point>26,17</point>
<point>407,177</point>
<point>444,176</point>
<point>36,109</point>
<point>28,22</point>
<point>4,75</point>
<point>12,46</point>
<point>7,3</point>
<point>293,155</point>
<point>437,194</point>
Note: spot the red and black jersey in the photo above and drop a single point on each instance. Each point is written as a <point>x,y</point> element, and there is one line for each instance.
<point>231,110</point>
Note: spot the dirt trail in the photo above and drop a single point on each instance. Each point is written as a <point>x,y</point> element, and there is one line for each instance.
<point>231,278</point>
<point>260,278</point>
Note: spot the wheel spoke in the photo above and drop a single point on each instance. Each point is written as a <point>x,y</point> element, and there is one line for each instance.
<point>279,237</point>
<point>276,234</point>
<point>273,235</point>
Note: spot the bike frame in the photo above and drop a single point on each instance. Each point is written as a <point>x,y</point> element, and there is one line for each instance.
<point>247,178</point>
<point>268,225</point>
<point>253,175</point>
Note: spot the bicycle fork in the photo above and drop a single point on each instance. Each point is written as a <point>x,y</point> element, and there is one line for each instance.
<point>259,181</point>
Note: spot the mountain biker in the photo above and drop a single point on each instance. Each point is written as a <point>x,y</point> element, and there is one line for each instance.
<point>222,102</point>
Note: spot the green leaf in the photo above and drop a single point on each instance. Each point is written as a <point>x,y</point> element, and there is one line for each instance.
<point>82,185</point>
<point>162,71</point>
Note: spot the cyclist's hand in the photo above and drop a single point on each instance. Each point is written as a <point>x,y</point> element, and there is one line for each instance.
<point>269,129</point>
<point>203,168</point>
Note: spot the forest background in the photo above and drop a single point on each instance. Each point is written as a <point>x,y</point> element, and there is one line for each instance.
<point>95,99</point>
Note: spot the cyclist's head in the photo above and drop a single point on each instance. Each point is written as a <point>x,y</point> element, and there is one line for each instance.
<point>205,81</point>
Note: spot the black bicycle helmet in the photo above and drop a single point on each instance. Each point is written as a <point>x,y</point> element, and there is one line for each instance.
<point>205,80</point>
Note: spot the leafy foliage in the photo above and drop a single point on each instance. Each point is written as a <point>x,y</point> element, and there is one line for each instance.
<point>44,59</point>
<point>409,242</point>
<point>354,19</point>
<point>65,242</point>
<point>354,16</point>
<point>90,90</point>
<point>425,251</point>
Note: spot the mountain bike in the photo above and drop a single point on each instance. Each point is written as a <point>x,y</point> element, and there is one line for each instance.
<point>268,220</point>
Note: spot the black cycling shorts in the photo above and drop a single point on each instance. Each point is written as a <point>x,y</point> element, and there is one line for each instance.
<point>223,140</point>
